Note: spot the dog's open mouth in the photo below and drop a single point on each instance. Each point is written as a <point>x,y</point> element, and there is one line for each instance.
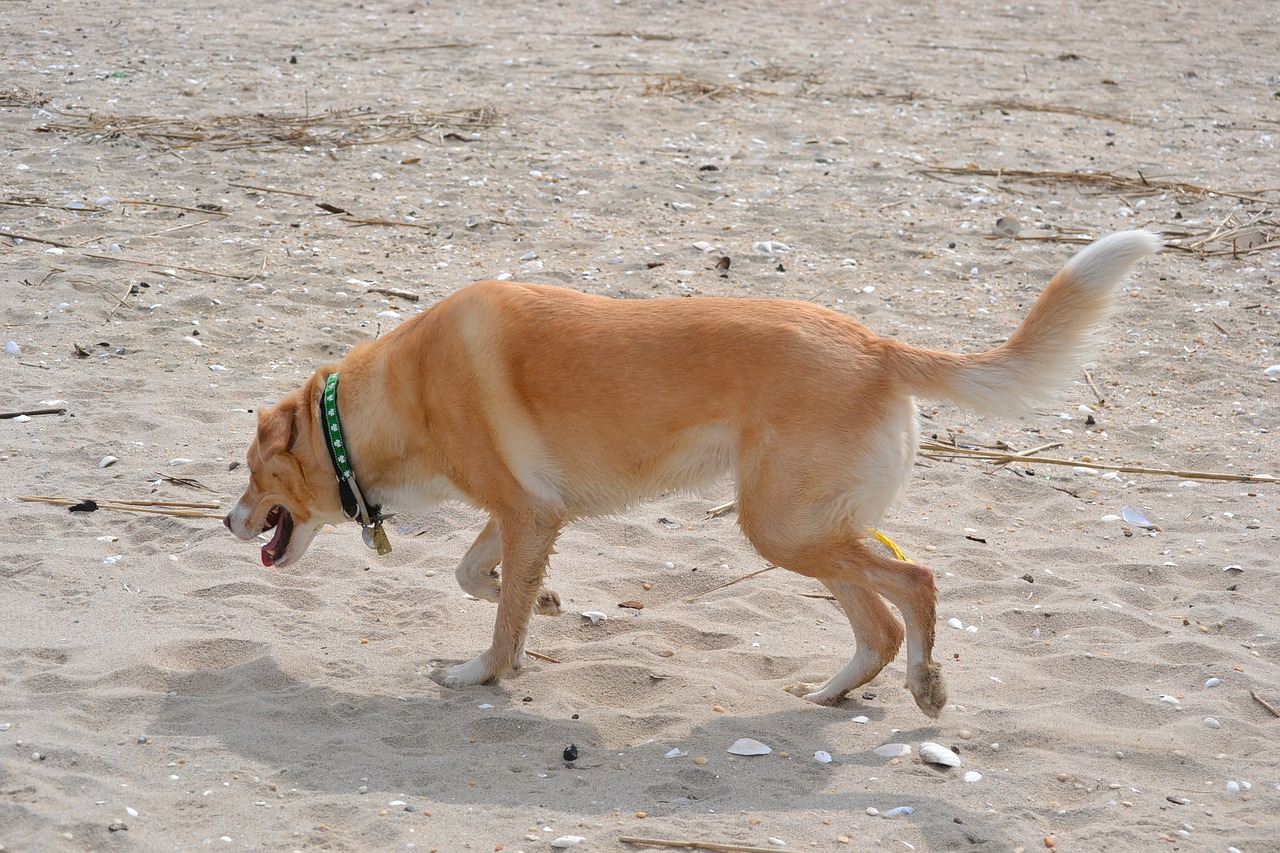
<point>282,521</point>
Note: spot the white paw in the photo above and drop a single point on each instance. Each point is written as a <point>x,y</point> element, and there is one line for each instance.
<point>474,671</point>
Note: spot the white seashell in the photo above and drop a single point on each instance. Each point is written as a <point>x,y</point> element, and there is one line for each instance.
<point>875,812</point>
<point>485,707</point>
<point>1212,722</point>
<point>595,616</point>
<point>219,368</point>
<point>388,315</point>
<point>1111,517</point>
<point>132,812</point>
<point>12,348</point>
<point>675,752</point>
<point>747,746</point>
<point>107,461</point>
<point>1213,682</point>
<point>770,247</point>
<point>174,463</point>
<point>973,776</point>
<point>777,842</point>
<point>861,719</point>
<point>1172,700</point>
<point>1136,518</point>
<point>1273,370</point>
<point>822,757</point>
<point>933,753</point>
<point>1233,787</point>
<point>892,750</point>
<point>1233,569</point>
<point>971,629</point>
<point>900,811</point>
<point>564,842</point>
<point>955,623</point>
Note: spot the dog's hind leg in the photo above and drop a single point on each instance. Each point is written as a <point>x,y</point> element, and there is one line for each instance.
<point>879,637</point>
<point>477,572</point>
<point>527,538</point>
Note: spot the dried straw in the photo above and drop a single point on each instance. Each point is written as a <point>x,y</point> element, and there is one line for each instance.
<point>330,129</point>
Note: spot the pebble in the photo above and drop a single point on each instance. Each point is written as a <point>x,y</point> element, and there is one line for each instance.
<point>1213,682</point>
<point>1006,226</point>
<point>533,256</point>
<point>700,760</point>
<point>107,461</point>
<point>1212,722</point>
<point>564,842</point>
<point>973,776</point>
<point>873,811</point>
<point>955,623</point>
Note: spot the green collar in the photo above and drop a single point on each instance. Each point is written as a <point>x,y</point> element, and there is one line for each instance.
<point>353,502</point>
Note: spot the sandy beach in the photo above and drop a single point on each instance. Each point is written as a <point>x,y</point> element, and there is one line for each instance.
<point>200,207</point>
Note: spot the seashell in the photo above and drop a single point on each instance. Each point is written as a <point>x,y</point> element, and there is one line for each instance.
<point>898,812</point>
<point>861,719</point>
<point>1136,518</point>
<point>933,753</point>
<point>892,750</point>
<point>12,348</point>
<point>1232,786</point>
<point>1172,700</point>
<point>1006,226</point>
<point>822,757</point>
<point>971,629</point>
<point>1112,517</point>
<point>675,752</point>
<point>107,461</point>
<point>1233,569</point>
<point>564,842</point>
<point>174,463</point>
<point>1273,370</point>
<point>595,616</point>
<point>955,623</point>
<point>1213,682</point>
<point>1212,722</point>
<point>973,776</point>
<point>747,746</point>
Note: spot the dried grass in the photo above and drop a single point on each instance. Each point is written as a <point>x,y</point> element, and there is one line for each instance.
<point>1250,232</point>
<point>327,130</point>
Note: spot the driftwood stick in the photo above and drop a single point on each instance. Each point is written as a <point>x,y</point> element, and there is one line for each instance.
<point>4,416</point>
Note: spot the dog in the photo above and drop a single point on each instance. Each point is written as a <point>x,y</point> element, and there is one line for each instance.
<point>542,405</point>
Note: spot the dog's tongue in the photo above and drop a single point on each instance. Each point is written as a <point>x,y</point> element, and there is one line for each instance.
<point>269,552</point>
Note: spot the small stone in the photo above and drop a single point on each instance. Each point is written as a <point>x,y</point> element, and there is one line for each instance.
<point>564,842</point>
<point>777,842</point>
<point>1050,842</point>
<point>117,827</point>
<point>700,760</point>
<point>1212,722</point>
<point>873,811</point>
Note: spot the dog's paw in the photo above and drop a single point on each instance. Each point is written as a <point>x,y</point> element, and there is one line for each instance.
<point>548,603</point>
<point>474,671</point>
<point>930,691</point>
<point>817,697</point>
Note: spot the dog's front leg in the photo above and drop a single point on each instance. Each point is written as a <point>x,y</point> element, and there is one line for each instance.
<point>477,573</point>
<point>527,538</point>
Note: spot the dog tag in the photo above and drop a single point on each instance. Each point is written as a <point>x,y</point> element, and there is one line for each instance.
<point>375,537</point>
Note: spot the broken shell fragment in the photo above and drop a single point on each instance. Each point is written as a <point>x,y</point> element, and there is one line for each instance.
<point>892,750</point>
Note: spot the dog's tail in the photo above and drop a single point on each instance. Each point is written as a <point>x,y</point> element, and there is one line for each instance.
<point>1055,338</point>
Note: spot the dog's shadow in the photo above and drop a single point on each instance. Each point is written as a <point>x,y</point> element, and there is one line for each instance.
<point>446,746</point>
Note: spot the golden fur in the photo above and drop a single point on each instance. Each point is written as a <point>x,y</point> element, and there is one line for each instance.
<point>541,405</point>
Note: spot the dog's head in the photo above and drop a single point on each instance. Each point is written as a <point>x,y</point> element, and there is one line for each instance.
<point>292,485</point>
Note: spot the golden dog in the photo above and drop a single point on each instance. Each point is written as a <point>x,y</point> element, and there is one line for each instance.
<point>542,405</point>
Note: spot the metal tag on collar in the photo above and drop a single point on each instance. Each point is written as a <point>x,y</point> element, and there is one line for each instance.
<point>376,537</point>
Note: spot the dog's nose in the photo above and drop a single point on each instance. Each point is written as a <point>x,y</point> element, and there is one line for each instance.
<point>226,519</point>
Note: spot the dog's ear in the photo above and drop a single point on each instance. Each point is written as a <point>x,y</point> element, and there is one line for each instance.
<point>277,428</point>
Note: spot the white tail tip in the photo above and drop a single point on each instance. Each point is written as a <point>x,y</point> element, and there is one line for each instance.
<point>1106,260</point>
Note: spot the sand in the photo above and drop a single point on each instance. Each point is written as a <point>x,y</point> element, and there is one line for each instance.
<point>180,178</point>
